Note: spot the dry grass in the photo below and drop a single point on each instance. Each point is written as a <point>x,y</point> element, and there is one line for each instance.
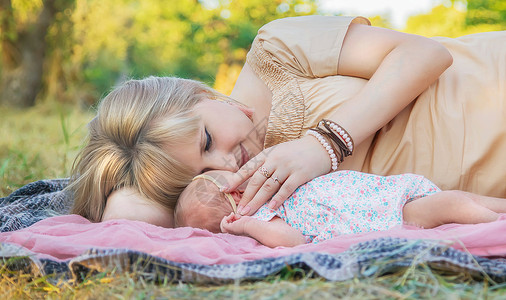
<point>42,142</point>
<point>413,283</point>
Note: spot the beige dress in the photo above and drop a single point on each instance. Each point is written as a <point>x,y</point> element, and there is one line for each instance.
<point>454,133</point>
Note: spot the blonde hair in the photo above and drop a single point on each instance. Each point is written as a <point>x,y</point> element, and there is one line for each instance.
<point>202,205</point>
<point>128,141</point>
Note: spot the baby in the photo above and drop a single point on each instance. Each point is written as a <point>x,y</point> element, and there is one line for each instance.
<point>342,202</point>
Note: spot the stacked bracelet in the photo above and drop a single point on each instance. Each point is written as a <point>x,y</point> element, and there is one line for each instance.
<point>328,146</point>
<point>330,134</point>
<point>340,132</point>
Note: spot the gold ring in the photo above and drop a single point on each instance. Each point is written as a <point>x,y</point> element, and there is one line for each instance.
<point>264,172</point>
<point>276,179</point>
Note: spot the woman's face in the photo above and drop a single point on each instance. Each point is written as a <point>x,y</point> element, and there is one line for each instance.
<point>226,139</point>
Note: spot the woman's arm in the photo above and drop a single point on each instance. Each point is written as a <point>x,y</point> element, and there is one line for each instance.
<point>127,203</point>
<point>272,234</point>
<point>399,67</point>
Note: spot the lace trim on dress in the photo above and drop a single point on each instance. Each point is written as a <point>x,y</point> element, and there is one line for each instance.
<point>286,118</point>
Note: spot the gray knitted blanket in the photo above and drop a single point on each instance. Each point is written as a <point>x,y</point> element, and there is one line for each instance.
<point>45,198</point>
<point>34,202</point>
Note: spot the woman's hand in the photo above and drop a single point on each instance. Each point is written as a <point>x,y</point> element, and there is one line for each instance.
<point>277,171</point>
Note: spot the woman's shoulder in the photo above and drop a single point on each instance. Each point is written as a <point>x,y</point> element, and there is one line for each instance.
<point>307,23</point>
<point>306,46</point>
<point>288,32</point>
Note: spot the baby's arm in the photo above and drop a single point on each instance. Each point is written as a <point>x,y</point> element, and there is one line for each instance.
<point>449,207</point>
<point>273,233</point>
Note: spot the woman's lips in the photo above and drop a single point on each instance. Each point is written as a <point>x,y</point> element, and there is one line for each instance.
<point>244,155</point>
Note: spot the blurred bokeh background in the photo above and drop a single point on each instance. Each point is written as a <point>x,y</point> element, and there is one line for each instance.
<point>59,57</point>
<point>76,50</point>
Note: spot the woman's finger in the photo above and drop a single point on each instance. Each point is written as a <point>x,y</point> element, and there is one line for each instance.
<point>244,173</point>
<point>255,183</point>
<point>259,193</point>
<point>285,190</point>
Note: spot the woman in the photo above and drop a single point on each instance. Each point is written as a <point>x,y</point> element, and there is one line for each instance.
<point>299,71</point>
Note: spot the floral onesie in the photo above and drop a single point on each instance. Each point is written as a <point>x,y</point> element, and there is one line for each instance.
<point>346,202</point>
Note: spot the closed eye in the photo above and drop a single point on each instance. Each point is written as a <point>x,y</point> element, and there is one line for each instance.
<point>209,140</point>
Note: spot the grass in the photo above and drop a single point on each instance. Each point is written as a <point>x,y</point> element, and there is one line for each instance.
<point>38,143</point>
<point>42,142</point>
<point>412,283</point>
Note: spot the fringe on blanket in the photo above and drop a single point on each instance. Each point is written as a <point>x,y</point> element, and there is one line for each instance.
<point>371,258</point>
<point>45,198</point>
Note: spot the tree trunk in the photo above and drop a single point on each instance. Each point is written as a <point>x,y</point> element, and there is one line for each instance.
<point>23,55</point>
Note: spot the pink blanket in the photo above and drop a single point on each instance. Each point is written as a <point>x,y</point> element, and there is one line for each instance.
<point>65,237</point>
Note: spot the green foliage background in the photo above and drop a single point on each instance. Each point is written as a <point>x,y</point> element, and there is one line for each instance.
<point>94,44</point>
<point>118,39</point>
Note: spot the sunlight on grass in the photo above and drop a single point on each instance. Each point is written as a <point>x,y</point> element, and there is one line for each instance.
<point>413,283</point>
<point>39,143</point>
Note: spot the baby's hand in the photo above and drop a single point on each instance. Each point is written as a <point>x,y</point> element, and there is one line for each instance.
<point>234,224</point>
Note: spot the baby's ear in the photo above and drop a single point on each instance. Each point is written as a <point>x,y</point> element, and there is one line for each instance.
<point>242,187</point>
<point>237,195</point>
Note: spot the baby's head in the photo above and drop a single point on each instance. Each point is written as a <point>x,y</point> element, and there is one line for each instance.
<point>202,205</point>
